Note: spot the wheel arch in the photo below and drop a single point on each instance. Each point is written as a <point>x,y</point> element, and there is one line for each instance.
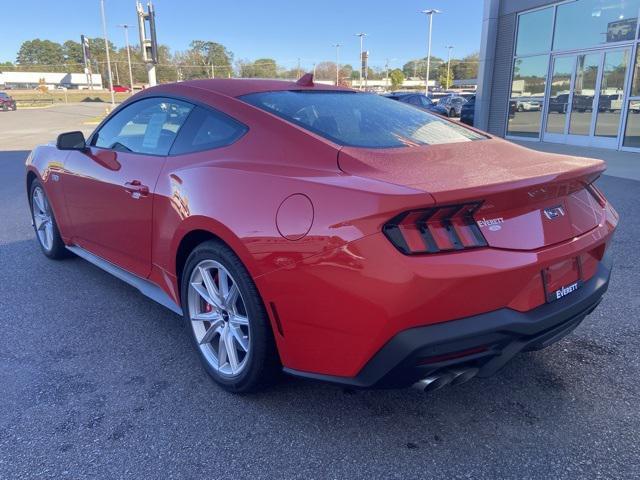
<point>31,176</point>
<point>195,231</point>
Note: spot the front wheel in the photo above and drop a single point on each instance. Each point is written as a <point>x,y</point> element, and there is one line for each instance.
<point>229,324</point>
<point>44,223</point>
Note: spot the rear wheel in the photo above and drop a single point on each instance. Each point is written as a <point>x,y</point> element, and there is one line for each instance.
<point>229,324</point>
<point>44,223</point>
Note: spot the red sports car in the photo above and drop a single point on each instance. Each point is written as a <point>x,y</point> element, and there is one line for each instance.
<point>332,234</point>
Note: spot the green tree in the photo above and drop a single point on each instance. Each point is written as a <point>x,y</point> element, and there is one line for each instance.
<point>72,52</point>
<point>41,52</point>
<point>397,78</point>
<point>467,67</point>
<point>442,75</point>
<point>264,68</point>
<point>215,58</point>
<point>418,68</point>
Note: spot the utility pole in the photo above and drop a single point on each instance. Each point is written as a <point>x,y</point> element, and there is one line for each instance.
<point>115,64</point>
<point>430,13</point>
<point>126,41</point>
<point>386,67</point>
<point>361,35</point>
<point>298,67</point>
<point>337,45</point>
<point>106,47</point>
<point>149,45</point>
<point>449,48</point>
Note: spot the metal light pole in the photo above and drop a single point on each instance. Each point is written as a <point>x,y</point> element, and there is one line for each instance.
<point>429,12</point>
<point>337,45</point>
<point>386,68</point>
<point>106,47</point>
<point>361,35</point>
<point>126,41</point>
<point>449,48</point>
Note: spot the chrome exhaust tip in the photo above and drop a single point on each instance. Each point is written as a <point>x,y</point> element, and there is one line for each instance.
<point>463,376</point>
<point>439,380</point>
<point>434,382</point>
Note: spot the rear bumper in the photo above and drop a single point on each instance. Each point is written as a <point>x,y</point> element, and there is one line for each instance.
<point>486,341</point>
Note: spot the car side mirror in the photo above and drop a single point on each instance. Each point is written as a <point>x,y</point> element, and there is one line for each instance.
<point>71,141</point>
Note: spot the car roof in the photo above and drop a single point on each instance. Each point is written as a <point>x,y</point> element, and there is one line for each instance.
<point>235,87</point>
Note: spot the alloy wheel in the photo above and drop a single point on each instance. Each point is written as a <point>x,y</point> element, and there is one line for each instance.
<point>219,318</point>
<point>42,218</point>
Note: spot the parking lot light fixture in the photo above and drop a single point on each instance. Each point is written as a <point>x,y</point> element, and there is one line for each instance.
<point>449,48</point>
<point>361,35</point>
<point>430,12</point>
<point>337,45</point>
<point>126,41</point>
<point>106,47</point>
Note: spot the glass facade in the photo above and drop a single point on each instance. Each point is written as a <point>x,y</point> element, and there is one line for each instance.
<point>589,23</point>
<point>571,78</point>
<point>527,95</point>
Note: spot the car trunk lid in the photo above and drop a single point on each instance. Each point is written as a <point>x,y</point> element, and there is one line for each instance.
<point>529,199</point>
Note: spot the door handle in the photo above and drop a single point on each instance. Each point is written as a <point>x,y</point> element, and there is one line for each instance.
<point>136,188</point>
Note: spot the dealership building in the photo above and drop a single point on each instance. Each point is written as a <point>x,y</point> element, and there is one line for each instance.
<point>564,71</point>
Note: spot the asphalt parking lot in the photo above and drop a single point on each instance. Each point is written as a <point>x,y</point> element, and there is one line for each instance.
<point>99,382</point>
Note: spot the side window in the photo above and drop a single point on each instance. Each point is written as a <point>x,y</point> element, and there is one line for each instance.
<point>425,101</point>
<point>207,129</point>
<point>414,100</point>
<point>148,126</point>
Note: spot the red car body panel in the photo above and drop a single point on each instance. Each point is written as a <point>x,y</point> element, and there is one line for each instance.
<point>305,216</point>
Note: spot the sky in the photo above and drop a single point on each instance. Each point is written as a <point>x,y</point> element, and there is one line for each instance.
<point>281,29</point>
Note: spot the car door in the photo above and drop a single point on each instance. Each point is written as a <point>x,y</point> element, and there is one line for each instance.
<point>109,187</point>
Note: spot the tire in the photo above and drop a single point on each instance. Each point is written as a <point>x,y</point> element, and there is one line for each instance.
<point>4,107</point>
<point>244,326</point>
<point>44,223</point>
<point>451,113</point>
<point>520,108</point>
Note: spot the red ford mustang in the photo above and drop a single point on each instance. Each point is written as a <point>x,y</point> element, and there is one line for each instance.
<point>337,235</point>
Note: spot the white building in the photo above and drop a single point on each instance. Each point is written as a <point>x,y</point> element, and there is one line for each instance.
<point>30,80</point>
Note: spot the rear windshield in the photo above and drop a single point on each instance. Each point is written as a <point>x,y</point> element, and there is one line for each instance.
<point>361,119</point>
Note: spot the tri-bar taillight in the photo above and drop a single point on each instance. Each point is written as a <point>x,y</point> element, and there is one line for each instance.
<point>435,230</point>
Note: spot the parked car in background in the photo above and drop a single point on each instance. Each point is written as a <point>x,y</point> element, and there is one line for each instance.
<point>452,104</point>
<point>467,111</point>
<point>121,89</point>
<point>610,103</point>
<point>559,103</point>
<point>7,102</point>
<point>418,100</point>
<point>528,105</point>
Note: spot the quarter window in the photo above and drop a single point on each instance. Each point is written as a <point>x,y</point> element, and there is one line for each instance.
<point>207,129</point>
<point>148,126</point>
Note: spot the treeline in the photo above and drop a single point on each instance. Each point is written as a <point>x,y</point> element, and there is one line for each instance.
<point>206,59</point>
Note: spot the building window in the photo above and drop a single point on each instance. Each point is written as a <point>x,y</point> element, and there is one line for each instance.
<point>635,86</point>
<point>632,131</point>
<point>527,95</point>
<point>589,23</point>
<point>534,32</point>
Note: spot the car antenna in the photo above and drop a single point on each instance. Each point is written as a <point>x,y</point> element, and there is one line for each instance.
<point>306,80</point>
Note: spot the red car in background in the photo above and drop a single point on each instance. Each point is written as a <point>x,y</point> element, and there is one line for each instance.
<point>121,89</point>
<point>337,235</point>
<point>7,102</point>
